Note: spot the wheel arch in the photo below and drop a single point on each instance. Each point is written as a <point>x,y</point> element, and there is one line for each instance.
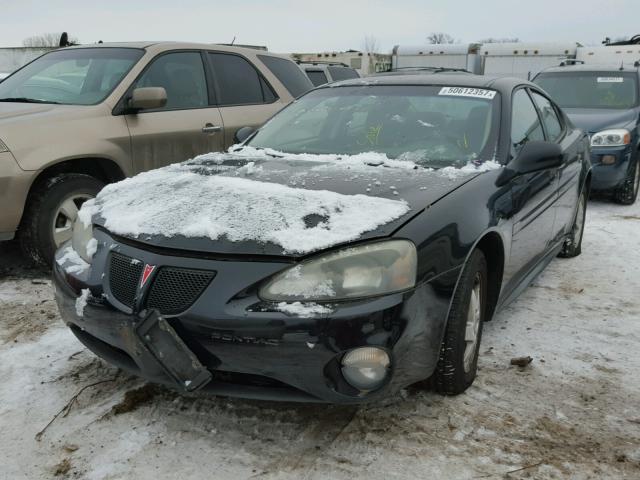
<point>492,246</point>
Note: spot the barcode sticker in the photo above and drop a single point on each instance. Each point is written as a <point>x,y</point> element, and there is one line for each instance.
<point>610,79</point>
<point>468,92</point>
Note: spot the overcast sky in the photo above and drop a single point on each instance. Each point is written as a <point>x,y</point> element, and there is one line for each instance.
<point>299,26</point>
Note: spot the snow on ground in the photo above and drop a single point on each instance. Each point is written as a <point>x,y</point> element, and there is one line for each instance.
<point>573,413</point>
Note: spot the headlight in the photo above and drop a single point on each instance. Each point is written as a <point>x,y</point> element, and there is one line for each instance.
<point>611,138</point>
<point>83,241</point>
<point>363,271</point>
<point>3,147</point>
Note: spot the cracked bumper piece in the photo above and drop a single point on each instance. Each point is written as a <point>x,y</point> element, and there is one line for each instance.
<point>241,346</point>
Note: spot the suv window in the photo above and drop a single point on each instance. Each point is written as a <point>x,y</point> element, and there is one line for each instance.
<point>317,77</point>
<point>239,82</point>
<point>342,73</point>
<point>289,74</point>
<point>525,123</point>
<point>181,74</point>
<point>550,118</point>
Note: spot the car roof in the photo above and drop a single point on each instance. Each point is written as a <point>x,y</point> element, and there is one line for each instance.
<point>447,79</point>
<point>626,67</point>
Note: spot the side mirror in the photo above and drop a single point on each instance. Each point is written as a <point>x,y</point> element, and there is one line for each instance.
<point>533,157</point>
<point>242,134</point>
<point>148,98</point>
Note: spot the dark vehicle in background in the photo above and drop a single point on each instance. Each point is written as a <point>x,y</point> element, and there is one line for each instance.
<point>78,118</point>
<point>393,218</point>
<point>604,101</point>
<point>326,72</point>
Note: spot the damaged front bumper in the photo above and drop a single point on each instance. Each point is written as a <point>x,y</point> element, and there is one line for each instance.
<point>234,344</point>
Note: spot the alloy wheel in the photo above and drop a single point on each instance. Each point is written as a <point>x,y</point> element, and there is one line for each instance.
<point>472,328</point>
<point>65,216</point>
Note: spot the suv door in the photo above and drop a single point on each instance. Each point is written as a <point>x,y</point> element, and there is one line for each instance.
<point>244,96</point>
<point>535,194</point>
<point>569,175</point>
<point>188,125</point>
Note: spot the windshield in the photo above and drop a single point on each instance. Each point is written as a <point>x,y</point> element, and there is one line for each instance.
<point>429,125</point>
<point>591,89</point>
<point>83,76</point>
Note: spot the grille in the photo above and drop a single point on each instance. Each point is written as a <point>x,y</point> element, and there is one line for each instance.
<point>175,289</point>
<point>124,275</point>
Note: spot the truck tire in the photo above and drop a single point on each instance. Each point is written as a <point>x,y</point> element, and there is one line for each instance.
<point>573,244</point>
<point>458,362</point>
<point>627,193</point>
<point>48,218</point>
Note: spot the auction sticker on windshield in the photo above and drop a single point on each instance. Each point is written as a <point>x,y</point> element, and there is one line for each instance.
<point>610,79</point>
<point>468,92</point>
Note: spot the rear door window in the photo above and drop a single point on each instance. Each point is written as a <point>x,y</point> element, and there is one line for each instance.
<point>239,83</point>
<point>342,73</point>
<point>288,73</point>
<point>550,119</point>
<point>525,123</point>
<point>181,74</point>
<point>317,77</point>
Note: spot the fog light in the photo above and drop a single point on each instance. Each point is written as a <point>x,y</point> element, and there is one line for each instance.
<point>608,159</point>
<point>365,368</point>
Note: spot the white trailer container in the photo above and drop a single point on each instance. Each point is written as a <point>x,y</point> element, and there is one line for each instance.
<point>609,54</point>
<point>438,55</point>
<point>524,60</point>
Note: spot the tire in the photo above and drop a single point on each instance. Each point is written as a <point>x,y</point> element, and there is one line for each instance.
<point>627,193</point>
<point>573,244</point>
<point>458,362</point>
<point>49,215</point>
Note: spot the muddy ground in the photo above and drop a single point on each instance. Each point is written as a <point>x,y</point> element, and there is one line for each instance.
<point>574,412</point>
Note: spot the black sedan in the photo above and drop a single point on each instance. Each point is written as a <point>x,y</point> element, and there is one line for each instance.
<point>353,245</point>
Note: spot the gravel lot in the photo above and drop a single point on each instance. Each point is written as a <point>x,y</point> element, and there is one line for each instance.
<point>573,413</point>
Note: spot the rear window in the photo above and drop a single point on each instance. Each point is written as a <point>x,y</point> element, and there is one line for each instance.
<point>342,73</point>
<point>317,77</point>
<point>288,73</point>
<point>614,89</point>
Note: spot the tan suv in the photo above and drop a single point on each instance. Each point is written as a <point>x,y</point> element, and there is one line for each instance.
<point>77,118</point>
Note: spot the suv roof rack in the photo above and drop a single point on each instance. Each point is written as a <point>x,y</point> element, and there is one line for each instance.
<point>428,69</point>
<point>571,61</point>
<point>320,62</point>
<point>635,40</point>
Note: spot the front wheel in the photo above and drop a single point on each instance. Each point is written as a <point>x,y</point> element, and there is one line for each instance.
<point>52,209</point>
<point>573,244</point>
<point>458,362</point>
<point>627,193</point>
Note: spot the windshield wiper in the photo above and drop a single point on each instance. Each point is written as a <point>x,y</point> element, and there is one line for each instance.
<point>26,100</point>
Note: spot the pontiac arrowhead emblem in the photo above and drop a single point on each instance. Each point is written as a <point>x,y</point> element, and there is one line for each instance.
<point>148,270</point>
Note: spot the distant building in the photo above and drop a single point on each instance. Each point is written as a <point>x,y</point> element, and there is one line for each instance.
<point>364,63</point>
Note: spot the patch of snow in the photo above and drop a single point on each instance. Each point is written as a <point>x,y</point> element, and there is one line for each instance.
<point>92,247</point>
<point>174,200</point>
<point>71,261</point>
<point>470,167</point>
<point>426,124</point>
<point>398,118</point>
<point>81,301</point>
<point>303,310</point>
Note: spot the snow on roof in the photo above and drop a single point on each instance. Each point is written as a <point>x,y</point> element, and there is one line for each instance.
<point>178,201</point>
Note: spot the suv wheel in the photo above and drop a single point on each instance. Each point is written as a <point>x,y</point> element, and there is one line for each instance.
<point>52,209</point>
<point>458,362</point>
<point>627,193</point>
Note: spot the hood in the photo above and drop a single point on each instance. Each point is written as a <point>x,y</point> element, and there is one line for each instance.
<point>592,120</point>
<point>227,204</point>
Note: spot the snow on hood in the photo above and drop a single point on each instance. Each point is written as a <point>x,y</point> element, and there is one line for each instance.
<point>177,201</point>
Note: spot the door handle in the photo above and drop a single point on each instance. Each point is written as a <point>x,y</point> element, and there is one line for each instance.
<point>211,128</point>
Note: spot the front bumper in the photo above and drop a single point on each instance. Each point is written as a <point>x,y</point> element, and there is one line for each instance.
<point>609,177</point>
<point>251,349</point>
<point>14,187</point>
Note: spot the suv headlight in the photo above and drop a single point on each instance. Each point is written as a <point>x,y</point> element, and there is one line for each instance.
<point>82,241</point>
<point>3,147</point>
<point>363,271</point>
<point>611,138</point>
